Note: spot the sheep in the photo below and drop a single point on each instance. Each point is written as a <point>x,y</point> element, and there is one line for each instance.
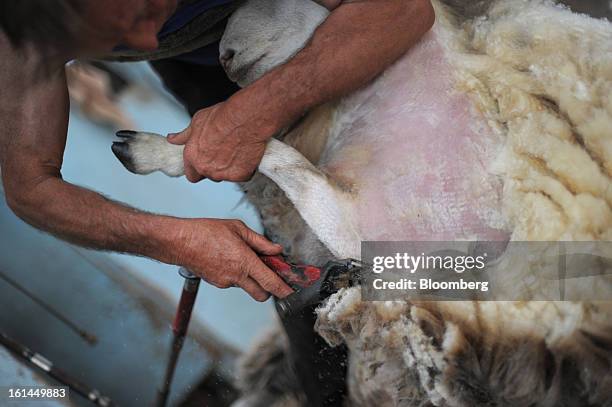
<point>505,111</point>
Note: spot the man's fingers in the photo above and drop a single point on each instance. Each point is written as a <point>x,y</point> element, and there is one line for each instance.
<point>191,174</point>
<point>179,138</point>
<point>269,280</point>
<point>254,290</point>
<point>258,242</point>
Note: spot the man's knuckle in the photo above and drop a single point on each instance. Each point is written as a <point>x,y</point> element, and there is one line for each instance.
<point>238,225</point>
<point>218,174</point>
<point>242,176</point>
<point>201,167</point>
<point>245,267</point>
<point>242,279</point>
<point>224,280</point>
<point>217,283</point>
<point>267,281</point>
<point>200,115</point>
<point>193,177</point>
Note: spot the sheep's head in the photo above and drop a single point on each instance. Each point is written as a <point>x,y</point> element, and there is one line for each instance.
<point>263,34</point>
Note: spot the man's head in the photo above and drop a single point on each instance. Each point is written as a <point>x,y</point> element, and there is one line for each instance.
<point>74,28</point>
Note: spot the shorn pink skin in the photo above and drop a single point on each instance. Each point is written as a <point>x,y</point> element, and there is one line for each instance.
<point>417,155</point>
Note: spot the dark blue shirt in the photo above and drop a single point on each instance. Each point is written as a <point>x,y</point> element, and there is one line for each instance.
<point>208,55</point>
<point>184,14</point>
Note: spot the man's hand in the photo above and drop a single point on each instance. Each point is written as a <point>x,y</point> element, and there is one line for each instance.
<point>220,146</point>
<point>225,254</point>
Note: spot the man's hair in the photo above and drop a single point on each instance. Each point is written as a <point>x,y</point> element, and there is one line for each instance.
<point>47,24</point>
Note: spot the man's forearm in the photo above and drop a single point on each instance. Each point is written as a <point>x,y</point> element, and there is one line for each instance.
<point>88,219</point>
<point>34,115</point>
<point>222,252</point>
<point>357,41</point>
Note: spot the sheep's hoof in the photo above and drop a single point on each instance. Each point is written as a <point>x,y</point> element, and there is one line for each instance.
<point>121,149</point>
<point>144,153</point>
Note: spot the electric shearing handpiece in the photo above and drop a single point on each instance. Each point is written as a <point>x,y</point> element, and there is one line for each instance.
<point>312,284</point>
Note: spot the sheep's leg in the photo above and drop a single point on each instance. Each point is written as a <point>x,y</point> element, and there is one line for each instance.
<point>321,203</point>
<point>144,153</point>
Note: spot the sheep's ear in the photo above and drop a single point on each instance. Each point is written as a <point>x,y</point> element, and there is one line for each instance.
<point>325,208</point>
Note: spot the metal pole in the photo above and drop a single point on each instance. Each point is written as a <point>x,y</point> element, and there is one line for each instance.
<point>179,330</point>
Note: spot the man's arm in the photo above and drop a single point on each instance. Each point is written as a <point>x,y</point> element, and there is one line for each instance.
<point>358,40</point>
<point>34,117</point>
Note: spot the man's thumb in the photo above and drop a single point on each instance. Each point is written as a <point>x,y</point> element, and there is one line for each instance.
<point>179,138</point>
<point>260,244</point>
